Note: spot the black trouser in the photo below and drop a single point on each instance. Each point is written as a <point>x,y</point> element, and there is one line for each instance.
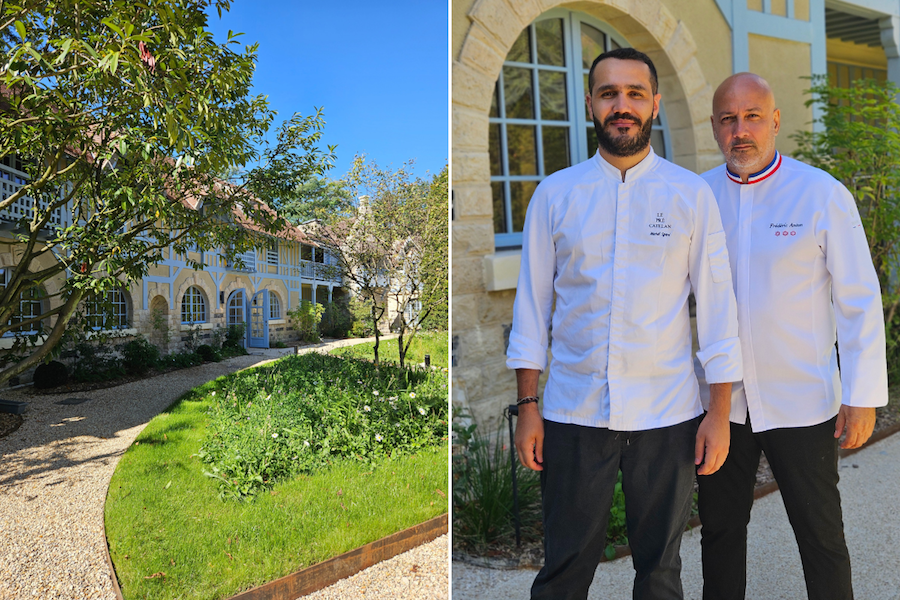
<point>581,465</point>
<point>804,462</point>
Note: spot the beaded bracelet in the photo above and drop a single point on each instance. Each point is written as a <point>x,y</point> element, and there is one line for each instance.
<point>526,400</point>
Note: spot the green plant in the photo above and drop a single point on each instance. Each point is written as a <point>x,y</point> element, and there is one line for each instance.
<point>234,337</point>
<point>159,322</point>
<point>336,320</point>
<point>307,411</point>
<point>617,529</point>
<point>219,335</point>
<point>859,144</point>
<point>306,319</point>
<point>182,360</point>
<point>278,344</point>
<point>191,337</point>
<point>139,356</point>
<point>108,94</point>
<point>50,375</point>
<point>206,352</point>
<point>361,311</point>
<point>482,491</point>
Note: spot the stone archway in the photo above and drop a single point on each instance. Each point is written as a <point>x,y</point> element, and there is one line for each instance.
<point>647,24</point>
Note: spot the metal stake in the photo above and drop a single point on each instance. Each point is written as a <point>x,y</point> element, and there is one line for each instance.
<point>511,411</point>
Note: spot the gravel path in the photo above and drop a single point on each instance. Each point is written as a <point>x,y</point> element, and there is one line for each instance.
<point>56,469</point>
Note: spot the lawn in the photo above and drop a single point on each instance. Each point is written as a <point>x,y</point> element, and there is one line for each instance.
<point>434,343</point>
<point>209,502</point>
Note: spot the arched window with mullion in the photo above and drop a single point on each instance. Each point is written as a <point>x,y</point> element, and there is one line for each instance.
<point>538,121</point>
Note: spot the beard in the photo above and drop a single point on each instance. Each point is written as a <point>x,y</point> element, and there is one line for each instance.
<point>622,145</point>
<point>753,159</point>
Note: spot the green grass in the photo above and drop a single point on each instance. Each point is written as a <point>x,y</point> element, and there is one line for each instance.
<point>164,516</point>
<point>436,344</point>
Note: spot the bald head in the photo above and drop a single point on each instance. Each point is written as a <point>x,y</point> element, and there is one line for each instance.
<point>745,123</point>
<point>743,84</point>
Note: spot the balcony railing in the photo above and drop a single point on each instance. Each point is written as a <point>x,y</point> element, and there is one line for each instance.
<point>249,260</point>
<point>11,180</point>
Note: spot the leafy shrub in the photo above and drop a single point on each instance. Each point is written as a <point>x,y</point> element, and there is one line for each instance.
<point>95,361</point>
<point>234,337</point>
<point>50,375</point>
<point>483,495</point>
<point>304,412</point>
<point>207,353</point>
<point>361,311</point>
<point>182,360</point>
<point>139,356</point>
<point>306,319</point>
<point>336,320</point>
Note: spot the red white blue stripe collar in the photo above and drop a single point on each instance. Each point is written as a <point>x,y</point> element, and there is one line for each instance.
<point>760,175</point>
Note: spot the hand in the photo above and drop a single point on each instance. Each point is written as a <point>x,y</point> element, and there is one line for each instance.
<point>530,437</point>
<point>858,422</point>
<point>713,441</point>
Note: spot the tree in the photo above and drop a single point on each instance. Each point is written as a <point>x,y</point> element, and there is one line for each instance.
<point>124,116</point>
<point>316,199</point>
<point>394,249</point>
<point>860,146</point>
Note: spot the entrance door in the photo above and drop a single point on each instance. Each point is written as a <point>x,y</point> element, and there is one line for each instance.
<point>258,320</point>
<point>237,312</point>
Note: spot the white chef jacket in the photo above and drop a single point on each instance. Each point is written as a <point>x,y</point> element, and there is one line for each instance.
<point>621,258</point>
<point>796,242</point>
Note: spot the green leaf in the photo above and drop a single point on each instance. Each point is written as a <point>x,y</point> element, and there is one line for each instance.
<point>20,28</point>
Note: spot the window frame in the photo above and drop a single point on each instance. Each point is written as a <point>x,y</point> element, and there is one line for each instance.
<point>274,302</point>
<point>199,299</point>
<point>92,311</point>
<point>37,297</point>
<point>577,123</point>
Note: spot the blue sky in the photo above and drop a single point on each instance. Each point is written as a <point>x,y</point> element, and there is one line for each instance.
<point>379,69</point>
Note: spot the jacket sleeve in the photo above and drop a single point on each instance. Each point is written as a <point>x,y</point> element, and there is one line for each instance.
<point>856,295</point>
<point>710,273</point>
<point>529,338</point>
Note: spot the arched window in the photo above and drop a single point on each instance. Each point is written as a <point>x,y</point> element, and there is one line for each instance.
<point>538,120</point>
<point>236,307</point>
<point>31,305</point>
<point>193,306</point>
<point>274,305</point>
<point>107,311</point>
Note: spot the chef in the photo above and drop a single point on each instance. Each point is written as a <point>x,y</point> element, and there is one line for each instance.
<point>803,278</point>
<point>620,241</point>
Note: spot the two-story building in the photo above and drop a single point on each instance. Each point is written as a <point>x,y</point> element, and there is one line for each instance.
<point>173,298</point>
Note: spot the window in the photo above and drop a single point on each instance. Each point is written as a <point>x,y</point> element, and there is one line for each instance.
<point>236,308</point>
<point>107,311</point>
<point>30,306</point>
<point>193,306</point>
<point>274,306</point>
<point>538,121</point>
<point>272,252</point>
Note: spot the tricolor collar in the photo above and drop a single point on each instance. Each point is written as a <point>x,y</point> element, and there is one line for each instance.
<point>759,176</point>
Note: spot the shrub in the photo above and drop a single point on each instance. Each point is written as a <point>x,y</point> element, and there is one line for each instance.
<point>182,360</point>
<point>206,352</point>
<point>50,375</point>
<point>336,320</point>
<point>482,492</point>
<point>361,311</point>
<point>139,356</point>
<point>234,337</point>
<point>305,412</point>
<point>306,319</point>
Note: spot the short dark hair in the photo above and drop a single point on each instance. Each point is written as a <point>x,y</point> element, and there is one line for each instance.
<point>625,54</point>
